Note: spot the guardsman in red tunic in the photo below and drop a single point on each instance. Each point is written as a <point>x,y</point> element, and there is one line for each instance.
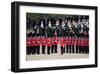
<point>43,44</point>
<point>76,44</point>
<point>66,43</point>
<point>87,45</point>
<point>73,43</point>
<point>62,45</point>
<point>86,42</point>
<point>55,44</point>
<point>79,44</point>
<point>69,43</point>
<point>84,50</point>
<point>33,44</point>
<point>28,44</point>
<point>82,45</point>
<point>37,40</point>
<point>48,42</point>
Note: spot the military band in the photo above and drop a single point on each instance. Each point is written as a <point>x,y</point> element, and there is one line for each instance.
<point>48,36</point>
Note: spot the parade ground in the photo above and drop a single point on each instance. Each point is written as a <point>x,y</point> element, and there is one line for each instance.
<point>56,56</point>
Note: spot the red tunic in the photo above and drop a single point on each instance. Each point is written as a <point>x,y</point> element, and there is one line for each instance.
<point>87,42</point>
<point>76,41</point>
<point>62,42</point>
<point>54,41</point>
<point>43,41</point>
<point>69,41</point>
<point>37,41</point>
<point>82,42</point>
<point>66,41</point>
<point>48,41</point>
<point>28,42</point>
<point>72,41</point>
<point>79,42</point>
<point>33,43</point>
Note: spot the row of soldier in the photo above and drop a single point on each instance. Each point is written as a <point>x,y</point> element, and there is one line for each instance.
<point>71,36</point>
<point>67,45</point>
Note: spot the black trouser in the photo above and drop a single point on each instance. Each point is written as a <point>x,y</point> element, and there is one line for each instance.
<point>77,48</point>
<point>84,49</point>
<point>87,49</point>
<point>33,49</point>
<point>28,50</point>
<point>62,49</point>
<point>43,49</point>
<point>73,49</point>
<point>80,48</point>
<point>66,48</point>
<point>69,48</point>
<point>54,49</point>
<point>38,49</point>
<point>48,49</point>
